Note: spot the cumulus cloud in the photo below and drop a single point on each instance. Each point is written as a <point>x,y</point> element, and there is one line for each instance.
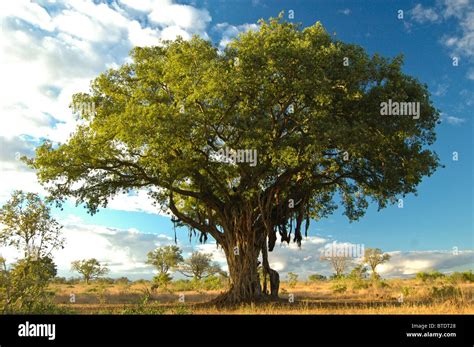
<point>165,13</point>
<point>452,120</point>
<point>461,41</point>
<point>137,201</point>
<point>228,32</point>
<point>51,50</point>
<point>421,14</point>
<point>123,250</point>
<point>404,264</point>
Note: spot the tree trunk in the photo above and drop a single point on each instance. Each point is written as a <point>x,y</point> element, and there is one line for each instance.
<point>245,285</point>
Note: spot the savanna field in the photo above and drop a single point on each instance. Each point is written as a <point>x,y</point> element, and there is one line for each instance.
<point>443,295</point>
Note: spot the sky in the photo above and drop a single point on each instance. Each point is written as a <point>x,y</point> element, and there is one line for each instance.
<point>50,50</point>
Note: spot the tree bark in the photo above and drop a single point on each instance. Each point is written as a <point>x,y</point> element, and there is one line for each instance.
<point>245,282</point>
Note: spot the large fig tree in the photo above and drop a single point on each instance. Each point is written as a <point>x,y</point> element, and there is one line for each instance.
<point>309,105</point>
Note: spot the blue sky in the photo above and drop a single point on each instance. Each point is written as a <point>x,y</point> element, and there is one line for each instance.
<point>52,50</point>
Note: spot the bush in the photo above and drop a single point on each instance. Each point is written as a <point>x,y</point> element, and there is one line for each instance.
<point>406,291</point>
<point>24,287</point>
<point>337,277</point>
<point>105,280</point>
<point>122,280</point>
<point>339,287</point>
<point>74,280</point>
<point>59,280</point>
<point>429,276</point>
<point>379,283</point>
<point>359,284</point>
<point>359,273</point>
<point>141,281</point>
<point>183,285</point>
<point>292,279</point>
<point>466,276</point>
<point>213,282</point>
<point>446,292</point>
<point>316,278</point>
<point>161,281</point>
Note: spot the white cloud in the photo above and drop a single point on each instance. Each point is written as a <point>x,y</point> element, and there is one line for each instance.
<point>461,42</point>
<point>455,120</point>
<point>137,201</point>
<point>409,263</point>
<point>441,89</point>
<point>345,11</point>
<point>452,119</point>
<point>165,13</point>
<point>228,31</point>
<point>28,11</point>
<point>123,250</point>
<point>455,7</point>
<point>49,51</point>
<point>125,253</point>
<point>422,15</point>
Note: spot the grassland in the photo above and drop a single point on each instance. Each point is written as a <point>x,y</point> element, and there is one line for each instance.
<point>395,296</point>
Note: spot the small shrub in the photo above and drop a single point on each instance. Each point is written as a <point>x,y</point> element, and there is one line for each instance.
<point>182,309</point>
<point>59,280</point>
<point>141,281</point>
<point>406,291</point>
<point>122,280</point>
<point>292,279</point>
<point>429,276</point>
<point>445,293</point>
<point>183,285</point>
<point>316,278</point>
<point>339,287</point>
<point>378,283</point>
<point>213,283</point>
<point>359,284</point>
<point>466,276</point>
<point>161,281</point>
<point>359,273</point>
<point>105,280</point>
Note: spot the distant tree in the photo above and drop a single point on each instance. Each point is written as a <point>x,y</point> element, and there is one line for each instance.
<point>28,226</point>
<point>164,259</point>
<point>292,279</point>
<point>89,268</point>
<point>374,257</point>
<point>198,266</point>
<point>359,272</point>
<point>339,263</point>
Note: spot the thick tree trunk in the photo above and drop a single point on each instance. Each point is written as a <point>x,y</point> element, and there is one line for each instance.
<point>245,284</point>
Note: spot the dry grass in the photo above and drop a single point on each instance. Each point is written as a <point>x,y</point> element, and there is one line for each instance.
<point>309,298</point>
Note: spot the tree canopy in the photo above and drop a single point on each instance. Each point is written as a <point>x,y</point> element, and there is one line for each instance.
<point>199,266</point>
<point>89,268</point>
<point>27,225</point>
<point>284,91</point>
